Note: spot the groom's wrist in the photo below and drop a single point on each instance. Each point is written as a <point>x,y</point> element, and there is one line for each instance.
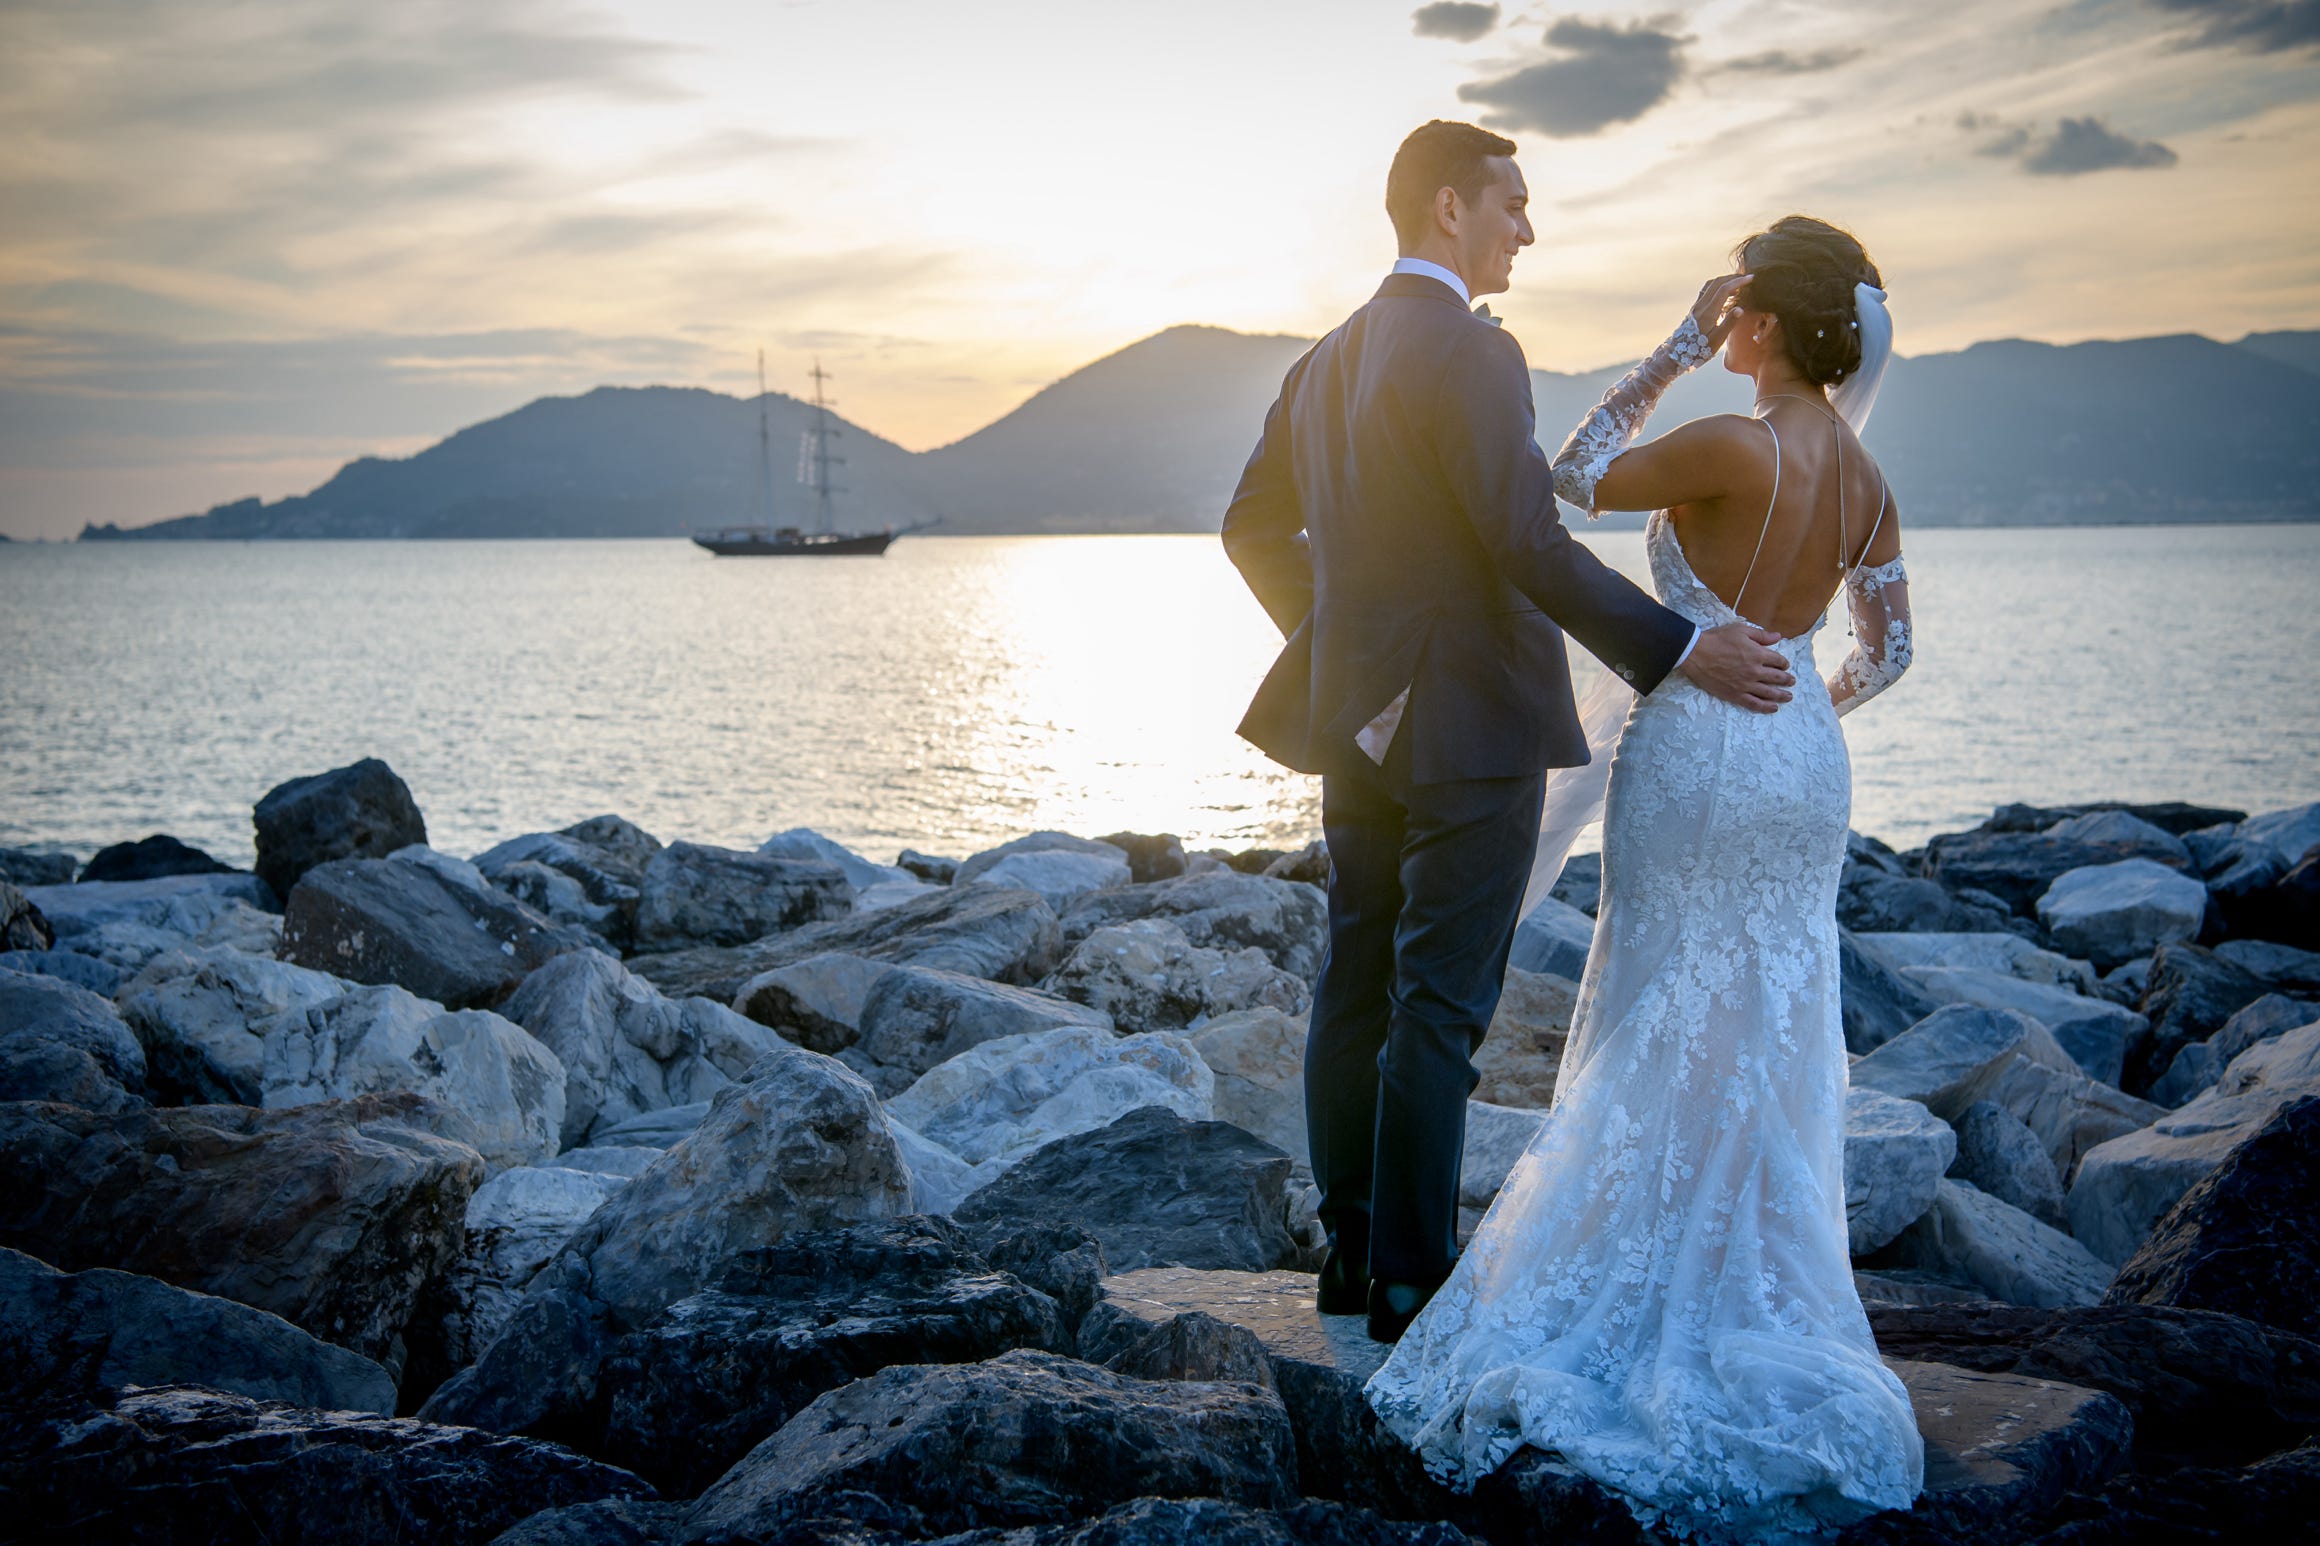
<point>1688,648</point>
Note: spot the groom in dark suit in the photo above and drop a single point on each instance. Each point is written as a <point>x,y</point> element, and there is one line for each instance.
<point>1398,523</point>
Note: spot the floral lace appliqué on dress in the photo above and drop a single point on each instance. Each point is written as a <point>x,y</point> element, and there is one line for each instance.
<point>1662,1292</point>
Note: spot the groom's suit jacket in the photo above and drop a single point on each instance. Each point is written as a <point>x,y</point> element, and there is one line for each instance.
<point>1398,522</point>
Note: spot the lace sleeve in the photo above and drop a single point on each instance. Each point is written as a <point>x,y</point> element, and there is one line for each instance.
<point>1879,601</point>
<point>1613,425</point>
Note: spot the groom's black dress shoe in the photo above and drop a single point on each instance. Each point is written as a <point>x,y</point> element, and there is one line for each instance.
<point>1344,1286</point>
<point>1392,1306</point>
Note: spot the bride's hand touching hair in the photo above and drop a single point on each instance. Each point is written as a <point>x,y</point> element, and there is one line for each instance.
<point>1718,307</point>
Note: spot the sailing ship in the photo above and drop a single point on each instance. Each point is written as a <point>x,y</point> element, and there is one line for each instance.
<point>766,540</point>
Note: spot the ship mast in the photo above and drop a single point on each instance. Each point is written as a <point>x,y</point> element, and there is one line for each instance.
<point>764,452</point>
<point>821,459</point>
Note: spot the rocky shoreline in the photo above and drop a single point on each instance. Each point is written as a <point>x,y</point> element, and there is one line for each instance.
<point>598,1189</point>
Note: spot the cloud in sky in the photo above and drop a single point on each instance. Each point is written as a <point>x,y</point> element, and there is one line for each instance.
<point>2077,146</point>
<point>1787,61</point>
<point>2257,26</point>
<point>1606,75</point>
<point>1453,19</point>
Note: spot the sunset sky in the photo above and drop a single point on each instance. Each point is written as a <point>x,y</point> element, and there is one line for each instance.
<point>242,243</point>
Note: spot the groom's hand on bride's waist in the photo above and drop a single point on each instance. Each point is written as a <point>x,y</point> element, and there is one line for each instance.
<point>1738,664</point>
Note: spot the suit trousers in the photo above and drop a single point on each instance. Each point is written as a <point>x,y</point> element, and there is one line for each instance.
<point>1425,887</point>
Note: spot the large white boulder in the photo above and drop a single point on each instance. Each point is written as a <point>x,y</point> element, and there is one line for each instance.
<point>1258,1058</point>
<point>875,885</point>
<point>1895,1154</point>
<point>939,1179</point>
<point>978,866</point>
<point>1148,977</point>
<point>515,1222</point>
<point>1970,1237</point>
<point>373,1040</point>
<point>129,922</point>
<point>2115,913</point>
<point>2097,1033</point>
<point>2125,1184</point>
<point>1996,952</point>
<point>1056,874</point>
<point>203,1016</point>
<point>625,1049</point>
<point>999,1101</point>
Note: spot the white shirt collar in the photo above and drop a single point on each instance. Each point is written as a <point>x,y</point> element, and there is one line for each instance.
<point>1435,271</point>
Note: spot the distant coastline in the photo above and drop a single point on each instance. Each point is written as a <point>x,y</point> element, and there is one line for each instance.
<point>2175,430</point>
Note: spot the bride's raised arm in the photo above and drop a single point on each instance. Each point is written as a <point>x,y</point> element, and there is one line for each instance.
<point>1600,467</point>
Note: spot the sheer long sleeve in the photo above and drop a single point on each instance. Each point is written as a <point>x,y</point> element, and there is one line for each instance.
<point>1879,601</point>
<point>1613,425</point>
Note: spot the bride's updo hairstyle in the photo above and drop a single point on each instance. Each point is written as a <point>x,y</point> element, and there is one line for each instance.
<point>1805,272</point>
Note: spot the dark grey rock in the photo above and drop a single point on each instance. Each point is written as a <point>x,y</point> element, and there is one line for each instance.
<point>2199,1064</point>
<point>588,874</point>
<point>102,978</point>
<point>2201,1386</point>
<point>101,1330</point>
<point>61,1042</point>
<point>1193,1345</point>
<point>2188,997</point>
<point>22,924</point>
<point>362,811</point>
<point>1227,912</point>
<point>418,922</point>
<point>1309,864</point>
<point>2018,867</point>
<point>613,1522</point>
<point>2286,911</point>
<point>1873,902</point>
<point>694,895</point>
<point>333,1216</point>
<point>180,1465</point>
<point>980,931</point>
<point>1151,856</point>
<point>1026,1439</point>
<point>151,857</point>
<point>26,867</point>
<point>2242,1239</point>
<point>1581,883</point>
<point>1878,1002</point>
<point>1998,1153</point>
<point>914,1017</point>
<point>934,869</point>
<point>1553,937</point>
<point>688,1395</point>
<point>1156,1190</point>
<point>2170,816</point>
<point>2283,966</point>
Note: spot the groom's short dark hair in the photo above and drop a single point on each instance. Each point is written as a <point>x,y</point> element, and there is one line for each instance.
<point>1438,155</point>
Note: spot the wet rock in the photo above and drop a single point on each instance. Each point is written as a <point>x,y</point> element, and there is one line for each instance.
<point>180,1464</point>
<point>2124,1185</point>
<point>1871,902</point>
<point>1288,921</point>
<point>516,1222</point>
<point>25,867</point>
<point>2201,1386</point>
<point>1553,937</point>
<point>1496,1138</point>
<point>1998,1154</point>
<point>362,811</point>
<point>690,1394</point>
<point>1146,976</point>
<point>2114,913</point>
<point>81,1333</point>
<point>1026,1438</point>
<point>23,926</point>
<point>984,931</point>
<point>1970,1237</point>
<point>59,1042</point>
<point>2241,1239</point>
<point>1156,1190</point>
<point>1522,1055</point>
<point>2201,1063</point>
<point>1896,1152</point>
<point>2189,995</point>
<point>150,858</point>
<point>203,1016</point>
<point>1878,1003</point>
<point>626,1050</point>
<point>2098,1034</point>
<point>1006,1098</point>
<point>1309,865</point>
<point>422,922</point>
<point>100,977</point>
<point>693,894</point>
<point>332,1217</point>
<point>2010,954</point>
<point>1258,1058</point>
<point>801,1144</point>
<point>374,1041</point>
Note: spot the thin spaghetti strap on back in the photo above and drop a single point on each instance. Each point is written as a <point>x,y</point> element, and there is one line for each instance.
<point>1884,498</point>
<point>1741,594</point>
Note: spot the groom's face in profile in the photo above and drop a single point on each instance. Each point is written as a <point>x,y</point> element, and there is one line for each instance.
<point>1493,228</point>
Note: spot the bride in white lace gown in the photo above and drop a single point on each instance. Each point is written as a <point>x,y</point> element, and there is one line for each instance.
<point>1662,1292</point>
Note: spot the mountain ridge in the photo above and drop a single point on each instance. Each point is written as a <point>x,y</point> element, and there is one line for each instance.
<point>1151,437</point>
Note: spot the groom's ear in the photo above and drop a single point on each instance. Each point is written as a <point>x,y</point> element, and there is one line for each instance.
<point>1449,209</point>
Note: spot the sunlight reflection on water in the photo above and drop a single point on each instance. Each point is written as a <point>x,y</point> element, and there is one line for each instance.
<point>962,691</point>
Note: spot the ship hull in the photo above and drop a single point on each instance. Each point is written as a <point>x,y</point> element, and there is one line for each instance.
<point>862,545</point>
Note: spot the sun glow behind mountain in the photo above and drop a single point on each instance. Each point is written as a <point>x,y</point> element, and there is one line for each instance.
<point>243,244</point>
